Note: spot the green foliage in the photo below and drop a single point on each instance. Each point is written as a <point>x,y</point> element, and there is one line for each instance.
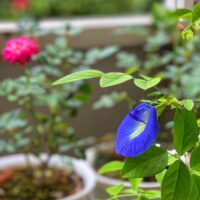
<point>114,78</point>
<point>191,17</point>
<point>111,166</point>
<point>148,164</point>
<point>196,12</point>
<point>185,130</point>
<point>135,183</point>
<point>188,104</point>
<point>86,74</point>
<point>176,184</point>
<point>115,190</point>
<point>179,67</point>
<point>194,195</point>
<point>127,60</point>
<point>187,34</point>
<point>160,176</point>
<point>41,121</point>
<point>195,159</point>
<point>181,13</point>
<point>110,100</point>
<point>147,84</point>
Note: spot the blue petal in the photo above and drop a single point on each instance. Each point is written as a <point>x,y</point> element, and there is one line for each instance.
<point>137,132</point>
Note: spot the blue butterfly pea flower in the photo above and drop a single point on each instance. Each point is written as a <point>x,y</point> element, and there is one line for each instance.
<point>138,131</point>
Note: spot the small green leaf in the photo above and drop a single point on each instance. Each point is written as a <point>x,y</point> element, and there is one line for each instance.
<point>142,197</point>
<point>86,74</point>
<point>135,182</point>
<point>187,34</point>
<point>162,106</point>
<point>195,192</point>
<point>147,164</point>
<point>188,104</point>
<point>153,194</point>
<point>115,190</point>
<point>160,176</point>
<point>185,130</point>
<point>176,184</point>
<point>147,84</point>
<point>111,166</point>
<point>195,159</point>
<point>196,12</point>
<point>196,25</point>
<point>114,78</point>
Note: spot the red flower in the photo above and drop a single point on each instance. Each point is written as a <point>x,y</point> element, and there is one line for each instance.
<point>20,5</point>
<point>20,50</point>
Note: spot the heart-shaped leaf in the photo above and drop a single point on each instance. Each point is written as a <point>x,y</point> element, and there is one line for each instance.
<point>114,78</point>
<point>146,84</point>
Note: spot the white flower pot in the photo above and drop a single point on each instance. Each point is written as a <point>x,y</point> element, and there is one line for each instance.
<point>107,181</point>
<point>80,167</point>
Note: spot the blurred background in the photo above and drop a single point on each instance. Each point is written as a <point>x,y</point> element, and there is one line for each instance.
<point>108,35</point>
<point>69,8</point>
<point>101,23</point>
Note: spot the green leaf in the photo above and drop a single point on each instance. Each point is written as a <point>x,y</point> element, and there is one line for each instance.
<point>153,194</point>
<point>147,84</point>
<point>114,78</point>
<point>115,190</point>
<point>160,176</point>
<point>195,192</point>
<point>196,25</point>
<point>107,51</point>
<point>176,183</point>
<point>181,12</point>
<point>109,100</point>
<point>188,104</point>
<point>148,164</point>
<point>135,182</point>
<point>195,159</point>
<point>185,130</point>
<point>187,34</point>
<point>142,197</point>
<point>196,12</point>
<point>187,16</point>
<point>86,74</point>
<point>111,166</point>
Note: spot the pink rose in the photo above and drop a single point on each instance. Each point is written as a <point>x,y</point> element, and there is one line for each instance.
<point>20,5</point>
<point>20,50</point>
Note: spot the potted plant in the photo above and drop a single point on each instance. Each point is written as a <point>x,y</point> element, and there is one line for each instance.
<point>39,126</point>
<point>170,63</point>
<point>179,178</point>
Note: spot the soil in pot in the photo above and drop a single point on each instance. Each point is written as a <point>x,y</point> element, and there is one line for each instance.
<point>38,184</point>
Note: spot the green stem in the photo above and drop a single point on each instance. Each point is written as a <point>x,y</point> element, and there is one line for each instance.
<point>39,133</point>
